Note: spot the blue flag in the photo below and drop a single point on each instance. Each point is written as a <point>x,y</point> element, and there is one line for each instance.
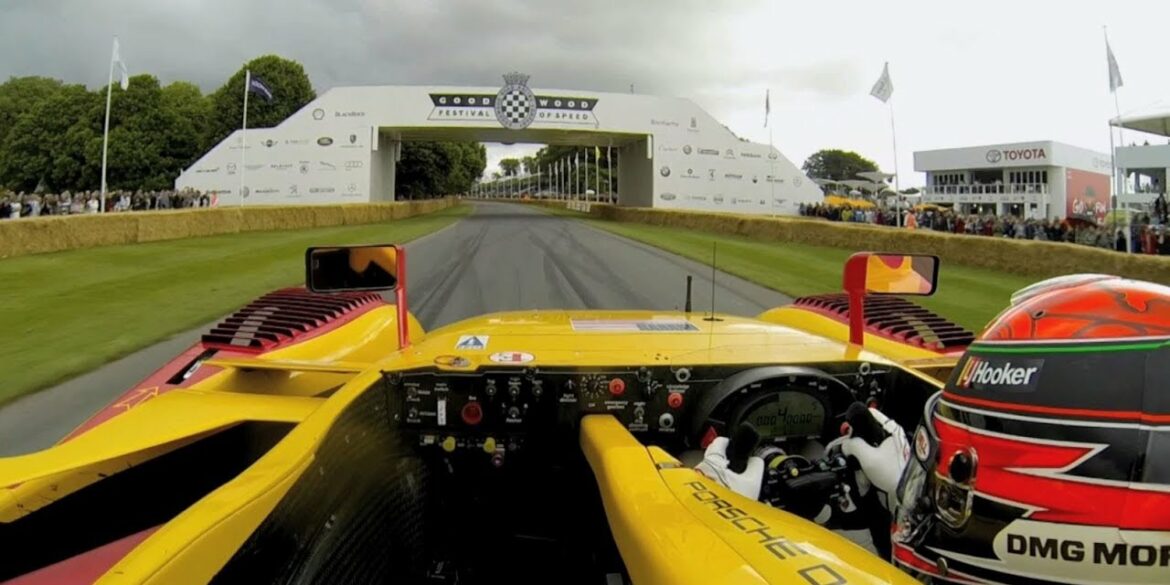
<point>258,87</point>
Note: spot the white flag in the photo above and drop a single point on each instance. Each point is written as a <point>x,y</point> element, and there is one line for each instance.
<point>884,88</point>
<point>1114,71</point>
<point>767,105</point>
<point>116,61</point>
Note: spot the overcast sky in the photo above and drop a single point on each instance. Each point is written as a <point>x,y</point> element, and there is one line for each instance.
<point>965,73</point>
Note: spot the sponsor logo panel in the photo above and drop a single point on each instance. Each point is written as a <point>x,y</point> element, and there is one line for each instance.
<point>1015,375</point>
<point>515,106</point>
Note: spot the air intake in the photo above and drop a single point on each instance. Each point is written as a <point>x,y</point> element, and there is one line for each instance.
<point>281,316</point>
<point>895,318</point>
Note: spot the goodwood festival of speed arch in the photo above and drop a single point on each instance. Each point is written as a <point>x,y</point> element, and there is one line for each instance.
<point>343,147</point>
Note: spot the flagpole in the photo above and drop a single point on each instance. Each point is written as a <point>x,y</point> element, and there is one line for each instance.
<point>244,135</point>
<point>609,173</point>
<point>897,187</point>
<point>597,183</point>
<point>1118,179</point>
<point>106,132</point>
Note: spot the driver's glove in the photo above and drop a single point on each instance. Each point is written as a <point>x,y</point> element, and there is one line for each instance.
<point>714,466</point>
<point>881,466</point>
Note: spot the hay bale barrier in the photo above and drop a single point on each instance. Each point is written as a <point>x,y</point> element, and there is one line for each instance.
<point>40,235</point>
<point>1024,257</point>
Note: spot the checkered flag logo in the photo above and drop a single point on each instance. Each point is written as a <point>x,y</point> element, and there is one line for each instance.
<point>515,103</point>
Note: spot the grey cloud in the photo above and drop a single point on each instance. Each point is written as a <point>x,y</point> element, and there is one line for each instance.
<point>667,47</point>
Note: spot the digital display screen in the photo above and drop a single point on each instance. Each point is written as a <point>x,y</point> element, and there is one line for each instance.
<point>788,414</point>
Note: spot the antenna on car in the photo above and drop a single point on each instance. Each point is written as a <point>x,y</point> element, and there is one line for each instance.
<point>687,306</point>
<point>712,317</point>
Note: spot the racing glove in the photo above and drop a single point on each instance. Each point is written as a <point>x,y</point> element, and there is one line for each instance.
<point>715,467</point>
<point>881,466</point>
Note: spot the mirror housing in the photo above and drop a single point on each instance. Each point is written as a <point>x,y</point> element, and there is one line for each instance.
<point>361,268</point>
<point>351,268</point>
<point>885,274</point>
<point>891,274</point>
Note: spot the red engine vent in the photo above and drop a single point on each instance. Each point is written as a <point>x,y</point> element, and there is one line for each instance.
<point>895,318</point>
<point>280,316</point>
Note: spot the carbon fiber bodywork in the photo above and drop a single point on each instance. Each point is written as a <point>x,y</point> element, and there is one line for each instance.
<point>356,516</point>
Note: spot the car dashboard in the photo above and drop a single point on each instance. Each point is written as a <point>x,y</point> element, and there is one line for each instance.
<point>499,411</point>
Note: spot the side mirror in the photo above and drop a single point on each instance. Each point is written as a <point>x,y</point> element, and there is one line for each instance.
<point>891,274</point>
<point>885,274</point>
<point>352,268</point>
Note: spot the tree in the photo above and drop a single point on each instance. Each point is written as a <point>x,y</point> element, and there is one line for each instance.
<point>290,87</point>
<point>529,164</point>
<point>837,165</point>
<point>510,166</point>
<point>188,136</point>
<point>48,142</point>
<point>19,95</point>
<point>432,169</point>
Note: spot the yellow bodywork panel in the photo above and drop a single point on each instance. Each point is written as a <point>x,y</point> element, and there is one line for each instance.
<point>155,427</point>
<point>248,364</point>
<point>829,328</point>
<point>193,546</point>
<point>665,534</point>
<point>672,525</point>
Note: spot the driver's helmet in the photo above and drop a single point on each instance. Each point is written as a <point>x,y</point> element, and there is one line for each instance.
<point>1046,458</point>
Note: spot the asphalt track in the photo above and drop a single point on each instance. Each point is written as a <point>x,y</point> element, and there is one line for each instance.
<point>502,257</point>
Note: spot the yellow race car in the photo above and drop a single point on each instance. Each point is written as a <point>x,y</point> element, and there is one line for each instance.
<point>320,435</point>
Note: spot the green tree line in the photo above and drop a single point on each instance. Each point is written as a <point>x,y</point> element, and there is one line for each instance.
<point>51,132</point>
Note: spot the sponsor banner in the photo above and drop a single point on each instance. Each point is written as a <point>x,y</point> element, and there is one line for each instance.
<point>709,151</point>
<point>1078,554</point>
<point>1088,195</point>
<point>515,106</point>
<point>997,155</point>
<point>320,114</point>
<point>1007,374</point>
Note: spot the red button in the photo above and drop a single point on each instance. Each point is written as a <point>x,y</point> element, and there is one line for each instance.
<point>472,413</point>
<point>675,400</point>
<point>617,386</point>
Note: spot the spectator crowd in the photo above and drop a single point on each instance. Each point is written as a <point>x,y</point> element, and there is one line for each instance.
<point>1148,231</point>
<point>17,205</point>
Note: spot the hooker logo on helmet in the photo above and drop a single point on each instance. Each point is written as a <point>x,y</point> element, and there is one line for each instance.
<point>1017,375</point>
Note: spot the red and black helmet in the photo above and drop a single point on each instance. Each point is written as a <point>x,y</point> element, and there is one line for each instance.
<point>1046,459</point>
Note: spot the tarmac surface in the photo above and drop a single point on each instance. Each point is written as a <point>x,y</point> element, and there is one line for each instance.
<point>502,257</point>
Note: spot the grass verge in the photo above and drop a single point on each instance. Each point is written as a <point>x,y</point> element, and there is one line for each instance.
<point>968,296</point>
<point>69,312</point>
